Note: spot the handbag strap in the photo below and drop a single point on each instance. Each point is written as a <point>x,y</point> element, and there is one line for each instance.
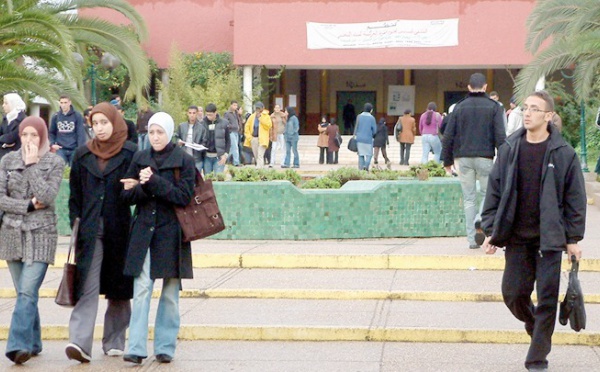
<point>199,178</point>
<point>73,240</point>
<point>574,265</point>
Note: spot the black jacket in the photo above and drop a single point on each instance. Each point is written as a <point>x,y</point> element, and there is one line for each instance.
<point>155,225</point>
<point>96,194</point>
<point>562,194</point>
<point>475,129</point>
<point>222,141</point>
<point>9,134</point>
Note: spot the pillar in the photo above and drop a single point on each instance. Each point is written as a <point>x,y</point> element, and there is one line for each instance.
<point>247,86</point>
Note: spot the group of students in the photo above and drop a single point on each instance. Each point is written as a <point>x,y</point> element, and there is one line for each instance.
<point>117,254</point>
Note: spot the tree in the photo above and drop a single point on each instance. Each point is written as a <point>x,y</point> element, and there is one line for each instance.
<point>563,34</point>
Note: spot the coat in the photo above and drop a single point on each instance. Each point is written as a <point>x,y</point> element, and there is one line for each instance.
<point>95,195</point>
<point>332,130</point>
<point>29,236</point>
<point>409,129</point>
<point>155,226</point>
<point>9,134</point>
<point>264,129</point>
<point>381,137</point>
<point>562,195</point>
<point>197,136</point>
<point>323,139</point>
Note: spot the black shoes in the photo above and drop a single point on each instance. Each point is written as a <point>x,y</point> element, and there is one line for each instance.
<point>19,356</point>
<point>479,234</point>
<point>133,358</point>
<point>164,358</point>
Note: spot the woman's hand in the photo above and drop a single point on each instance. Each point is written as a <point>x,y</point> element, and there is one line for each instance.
<point>145,175</point>
<point>31,153</point>
<point>37,204</point>
<point>129,183</point>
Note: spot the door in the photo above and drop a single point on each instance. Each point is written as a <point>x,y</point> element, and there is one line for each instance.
<point>356,99</point>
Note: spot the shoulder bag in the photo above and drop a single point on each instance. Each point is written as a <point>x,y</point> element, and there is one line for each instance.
<point>572,308</point>
<point>65,296</point>
<point>352,146</point>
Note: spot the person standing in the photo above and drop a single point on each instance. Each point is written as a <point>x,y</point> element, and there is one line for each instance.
<point>535,206</point>
<point>333,146</point>
<point>256,131</point>
<point>380,142</point>
<point>406,136</point>
<point>515,118</point>
<point>89,131</point>
<point>67,130</point>
<point>429,127</point>
<point>29,183</point>
<point>95,197</point>
<point>192,131</point>
<point>234,124</point>
<point>475,130</point>
<point>292,127</point>
<point>278,142</point>
<point>349,116</point>
<point>131,133</point>
<point>216,140</point>
<point>141,124</point>
<point>158,179</point>
<point>323,139</point>
<point>14,110</point>
<point>365,131</point>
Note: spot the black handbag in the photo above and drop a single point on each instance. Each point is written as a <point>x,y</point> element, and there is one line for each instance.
<point>352,146</point>
<point>65,296</point>
<point>572,309</point>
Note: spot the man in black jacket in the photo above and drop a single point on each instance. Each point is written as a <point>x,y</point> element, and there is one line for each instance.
<point>535,207</point>
<point>216,140</point>
<point>475,129</point>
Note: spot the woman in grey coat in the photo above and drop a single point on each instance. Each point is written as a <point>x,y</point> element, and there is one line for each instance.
<point>29,182</point>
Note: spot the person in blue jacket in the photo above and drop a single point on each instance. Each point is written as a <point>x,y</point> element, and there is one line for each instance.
<point>67,130</point>
<point>366,128</point>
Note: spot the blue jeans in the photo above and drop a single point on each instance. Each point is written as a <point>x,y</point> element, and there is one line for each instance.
<point>66,155</point>
<point>431,141</point>
<point>166,325</point>
<point>291,144</point>
<point>212,165</point>
<point>471,170</point>
<point>25,330</point>
<point>364,161</point>
<point>235,149</point>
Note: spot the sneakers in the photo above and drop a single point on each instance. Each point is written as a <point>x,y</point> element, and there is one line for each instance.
<point>479,234</point>
<point>164,358</point>
<point>75,352</point>
<point>136,359</point>
<point>474,246</point>
<point>114,353</point>
<point>19,356</point>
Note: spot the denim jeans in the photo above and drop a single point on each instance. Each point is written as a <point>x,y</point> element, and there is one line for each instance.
<point>291,145</point>
<point>212,165</point>
<point>234,149</point>
<point>166,325</point>
<point>470,171</point>
<point>431,141</point>
<point>66,155</point>
<point>364,161</point>
<point>25,330</point>
<point>275,147</point>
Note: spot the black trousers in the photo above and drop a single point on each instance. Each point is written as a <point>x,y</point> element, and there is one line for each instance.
<point>332,157</point>
<point>322,154</point>
<point>404,153</point>
<point>526,265</point>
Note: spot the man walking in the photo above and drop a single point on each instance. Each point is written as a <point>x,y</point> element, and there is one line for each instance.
<point>257,129</point>
<point>234,120</point>
<point>535,207</point>
<point>67,131</point>
<point>475,129</point>
<point>192,131</point>
<point>216,140</point>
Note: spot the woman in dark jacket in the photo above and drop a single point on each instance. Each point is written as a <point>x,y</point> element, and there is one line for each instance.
<point>14,108</point>
<point>103,234</point>
<point>159,179</point>
<point>380,141</point>
<point>332,144</point>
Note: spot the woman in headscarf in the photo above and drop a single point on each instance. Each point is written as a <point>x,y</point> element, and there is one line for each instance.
<point>95,198</point>
<point>159,179</point>
<point>14,108</point>
<point>380,142</point>
<point>29,183</point>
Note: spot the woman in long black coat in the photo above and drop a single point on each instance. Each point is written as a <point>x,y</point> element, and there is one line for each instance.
<point>96,187</point>
<point>380,141</point>
<point>159,179</point>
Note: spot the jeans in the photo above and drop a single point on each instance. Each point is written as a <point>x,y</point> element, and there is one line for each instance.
<point>66,155</point>
<point>472,170</point>
<point>291,145</point>
<point>235,149</point>
<point>166,325</point>
<point>404,153</point>
<point>212,165</point>
<point>364,162</point>
<point>25,330</point>
<point>431,141</point>
<point>275,147</point>
<point>524,266</point>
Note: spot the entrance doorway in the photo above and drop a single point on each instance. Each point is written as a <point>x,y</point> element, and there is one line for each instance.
<point>452,97</point>
<point>358,100</point>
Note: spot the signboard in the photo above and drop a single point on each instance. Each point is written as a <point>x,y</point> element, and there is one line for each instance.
<point>400,98</point>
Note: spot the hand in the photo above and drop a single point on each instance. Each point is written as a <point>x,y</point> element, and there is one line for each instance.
<point>487,247</point>
<point>37,204</point>
<point>223,159</point>
<point>54,148</point>
<point>145,175</point>
<point>574,250</point>
<point>129,183</point>
<point>180,142</point>
<point>31,153</point>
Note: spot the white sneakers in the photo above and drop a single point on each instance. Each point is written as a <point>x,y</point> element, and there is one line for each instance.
<point>75,352</point>
<point>114,353</point>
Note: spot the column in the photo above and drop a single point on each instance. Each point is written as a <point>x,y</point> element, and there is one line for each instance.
<point>247,86</point>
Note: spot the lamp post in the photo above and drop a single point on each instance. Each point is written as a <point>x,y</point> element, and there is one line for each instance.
<point>107,61</point>
<point>582,143</point>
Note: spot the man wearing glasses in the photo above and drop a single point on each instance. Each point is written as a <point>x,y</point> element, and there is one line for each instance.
<point>535,207</point>
<point>475,130</point>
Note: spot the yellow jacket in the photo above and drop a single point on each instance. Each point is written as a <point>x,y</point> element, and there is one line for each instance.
<point>264,126</point>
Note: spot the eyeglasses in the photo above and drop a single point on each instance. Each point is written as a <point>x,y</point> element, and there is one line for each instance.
<point>533,110</point>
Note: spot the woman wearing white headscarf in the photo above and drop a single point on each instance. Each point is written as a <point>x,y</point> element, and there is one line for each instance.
<point>158,179</point>
<point>14,108</point>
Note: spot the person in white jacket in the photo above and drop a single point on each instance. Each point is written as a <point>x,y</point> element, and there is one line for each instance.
<point>515,118</point>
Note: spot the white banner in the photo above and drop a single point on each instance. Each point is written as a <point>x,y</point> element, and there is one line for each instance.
<point>400,98</point>
<point>387,34</point>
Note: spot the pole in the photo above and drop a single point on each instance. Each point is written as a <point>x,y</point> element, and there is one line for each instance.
<point>583,145</point>
<point>92,73</point>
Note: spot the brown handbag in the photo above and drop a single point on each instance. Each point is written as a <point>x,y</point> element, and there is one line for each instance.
<point>201,217</point>
<point>65,296</point>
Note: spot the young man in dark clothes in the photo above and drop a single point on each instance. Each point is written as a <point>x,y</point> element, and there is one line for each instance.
<point>535,207</point>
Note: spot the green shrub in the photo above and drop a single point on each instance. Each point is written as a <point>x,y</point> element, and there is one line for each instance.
<point>217,177</point>
<point>322,183</point>
<point>435,169</point>
<point>67,173</point>
<point>248,174</point>
<point>345,174</point>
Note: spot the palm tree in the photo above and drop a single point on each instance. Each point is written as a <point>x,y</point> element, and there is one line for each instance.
<point>571,31</point>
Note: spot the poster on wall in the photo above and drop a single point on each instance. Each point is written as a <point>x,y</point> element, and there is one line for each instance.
<point>292,100</point>
<point>400,98</point>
